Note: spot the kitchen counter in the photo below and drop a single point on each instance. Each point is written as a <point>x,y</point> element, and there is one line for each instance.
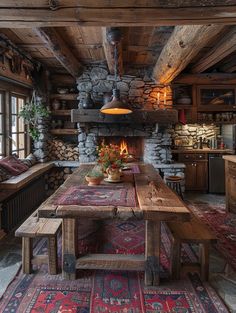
<point>205,150</point>
<point>231,158</point>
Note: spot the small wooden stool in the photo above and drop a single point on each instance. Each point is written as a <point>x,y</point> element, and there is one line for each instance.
<point>35,227</point>
<point>190,232</point>
<point>174,182</point>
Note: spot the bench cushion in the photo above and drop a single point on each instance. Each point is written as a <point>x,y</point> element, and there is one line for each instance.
<point>13,165</point>
<point>17,182</point>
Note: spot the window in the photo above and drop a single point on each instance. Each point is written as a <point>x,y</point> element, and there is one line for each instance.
<point>14,137</point>
<point>2,133</point>
<point>17,132</point>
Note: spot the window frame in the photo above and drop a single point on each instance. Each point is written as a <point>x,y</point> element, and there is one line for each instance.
<point>3,117</point>
<point>10,90</point>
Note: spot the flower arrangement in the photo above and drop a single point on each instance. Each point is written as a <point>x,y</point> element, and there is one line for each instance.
<point>109,156</point>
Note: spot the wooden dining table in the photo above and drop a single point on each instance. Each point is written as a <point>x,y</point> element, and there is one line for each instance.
<point>155,203</point>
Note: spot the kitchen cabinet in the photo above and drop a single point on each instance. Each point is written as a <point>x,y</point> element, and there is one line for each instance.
<point>196,171</point>
<point>230,182</point>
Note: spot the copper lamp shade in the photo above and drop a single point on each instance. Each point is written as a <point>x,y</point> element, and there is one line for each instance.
<point>115,106</point>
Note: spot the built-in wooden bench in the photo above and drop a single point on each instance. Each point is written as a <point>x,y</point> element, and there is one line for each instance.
<point>18,182</point>
<point>190,232</point>
<point>21,194</point>
<point>35,227</point>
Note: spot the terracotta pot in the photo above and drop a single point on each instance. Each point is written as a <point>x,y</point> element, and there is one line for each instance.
<point>93,181</point>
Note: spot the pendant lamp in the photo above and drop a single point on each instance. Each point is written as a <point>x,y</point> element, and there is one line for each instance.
<point>116,106</point>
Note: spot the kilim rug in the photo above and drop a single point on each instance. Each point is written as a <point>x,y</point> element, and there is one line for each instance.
<point>111,291</point>
<point>223,224</point>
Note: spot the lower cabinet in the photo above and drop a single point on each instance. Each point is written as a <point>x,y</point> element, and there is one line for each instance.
<point>196,175</point>
<point>196,171</point>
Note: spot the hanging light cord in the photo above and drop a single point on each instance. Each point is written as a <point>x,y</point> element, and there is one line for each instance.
<point>116,63</point>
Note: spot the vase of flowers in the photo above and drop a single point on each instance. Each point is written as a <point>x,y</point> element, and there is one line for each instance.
<point>111,160</point>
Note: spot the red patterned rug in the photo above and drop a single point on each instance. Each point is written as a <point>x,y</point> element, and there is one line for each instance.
<point>223,224</point>
<point>98,195</point>
<point>106,291</point>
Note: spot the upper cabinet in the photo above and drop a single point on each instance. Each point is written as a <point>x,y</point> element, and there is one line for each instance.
<point>216,98</point>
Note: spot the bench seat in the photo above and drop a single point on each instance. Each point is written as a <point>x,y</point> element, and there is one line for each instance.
<point>35,227</point>
<point>17,182</point>
<point>192,231</point>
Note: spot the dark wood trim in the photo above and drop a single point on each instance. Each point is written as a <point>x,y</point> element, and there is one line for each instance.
<point>206,78</point>
<point>139,117</point>
<point>107,13</point>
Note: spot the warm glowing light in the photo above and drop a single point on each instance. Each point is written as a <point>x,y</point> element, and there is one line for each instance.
<point>123,147</point>
<point>165,97</point>
<point>158,98</point>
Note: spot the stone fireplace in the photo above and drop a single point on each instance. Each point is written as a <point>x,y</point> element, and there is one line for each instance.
<point>152,139</point>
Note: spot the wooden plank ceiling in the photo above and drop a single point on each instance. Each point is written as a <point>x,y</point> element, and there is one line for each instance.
<point>141,45</point>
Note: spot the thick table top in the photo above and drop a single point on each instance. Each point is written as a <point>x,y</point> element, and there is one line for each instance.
<point>155,200</point>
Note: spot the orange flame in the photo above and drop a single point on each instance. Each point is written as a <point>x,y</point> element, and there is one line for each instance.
<point>123,147</point>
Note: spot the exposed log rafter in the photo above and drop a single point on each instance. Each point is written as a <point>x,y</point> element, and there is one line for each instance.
<point>41,13</point>
<point>109,52</point>
<point>56,44</point>
<point>222,49</point>
<point>182,46</point>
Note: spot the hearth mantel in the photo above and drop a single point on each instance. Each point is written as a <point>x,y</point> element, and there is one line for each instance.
<point>161,116</point>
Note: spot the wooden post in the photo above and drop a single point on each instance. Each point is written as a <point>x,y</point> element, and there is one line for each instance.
<point>175,258</point>
<point>152,253</point>
<point>204,260</point>
<point>52,255</point>
<point>69,247</point>
<point>27,254</point>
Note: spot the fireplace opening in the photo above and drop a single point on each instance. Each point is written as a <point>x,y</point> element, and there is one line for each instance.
<point>133,146</point>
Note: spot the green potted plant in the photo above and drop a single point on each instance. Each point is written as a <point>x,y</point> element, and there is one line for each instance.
<point>94,177</point>
<point>32,112</point>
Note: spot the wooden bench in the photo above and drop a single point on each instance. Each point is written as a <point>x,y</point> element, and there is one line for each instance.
<point>190,232</point>
<point>18,182</point>
<point>35,227</point>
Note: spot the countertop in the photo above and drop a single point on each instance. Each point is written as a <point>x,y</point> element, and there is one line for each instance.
<point>231,158</point>
<point>205,150</point>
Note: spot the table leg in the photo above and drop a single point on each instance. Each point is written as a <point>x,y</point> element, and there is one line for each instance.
<point>152,253</point>
<point>69,248</point>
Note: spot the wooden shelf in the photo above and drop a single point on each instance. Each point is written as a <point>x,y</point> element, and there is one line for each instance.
<point>182,107</point>
<point>66,96</point>
<point>214,108</point>
<point>61,112</point>
<point>61,131</point>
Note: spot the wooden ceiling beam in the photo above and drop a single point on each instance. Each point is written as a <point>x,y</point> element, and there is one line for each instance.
<point>109,52</point>
<point>182,46</point>
<point>56,44</point>
<point>222,49</point>
<point>206,79</point>
<point>41,13</point>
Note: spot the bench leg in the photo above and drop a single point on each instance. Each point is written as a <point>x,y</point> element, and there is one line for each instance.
<point>152,253</point>
<point>52,255</point>
<point>175,259</point>
<point>204,260</point>
<point>27,254</point>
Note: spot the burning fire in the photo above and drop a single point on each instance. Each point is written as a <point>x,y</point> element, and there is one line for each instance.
<point>124,148</point>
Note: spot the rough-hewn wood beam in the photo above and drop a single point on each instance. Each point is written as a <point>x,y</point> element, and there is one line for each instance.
<point>109,52</point>
<point>229,65</point>
<point>182,46</point>
<point>41,13</point>
<point>56,44</point>
<point>223,48</point>
<point>206,78</point>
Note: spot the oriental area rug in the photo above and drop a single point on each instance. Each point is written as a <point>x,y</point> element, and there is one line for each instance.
<point>111,291</point>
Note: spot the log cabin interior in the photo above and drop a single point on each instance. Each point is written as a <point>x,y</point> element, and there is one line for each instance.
<point>117,156</point>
